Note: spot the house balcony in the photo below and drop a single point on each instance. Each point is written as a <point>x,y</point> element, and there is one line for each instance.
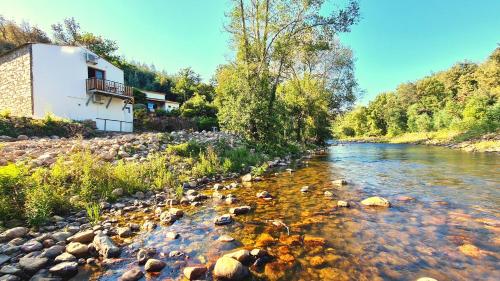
<point>109,88</point>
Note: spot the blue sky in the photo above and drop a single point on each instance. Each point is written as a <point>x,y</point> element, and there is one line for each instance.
<point>396,40</point>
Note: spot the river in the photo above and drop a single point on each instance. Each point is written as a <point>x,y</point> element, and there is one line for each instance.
<point>444,221</point>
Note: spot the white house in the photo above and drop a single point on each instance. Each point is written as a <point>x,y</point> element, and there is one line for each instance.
<point>66,81</point>
<point>156,100</point>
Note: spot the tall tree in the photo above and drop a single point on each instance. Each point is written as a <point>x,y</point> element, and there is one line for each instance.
<point>275,41</point>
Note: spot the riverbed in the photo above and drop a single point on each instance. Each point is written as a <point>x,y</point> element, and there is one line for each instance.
<point>443,223</point>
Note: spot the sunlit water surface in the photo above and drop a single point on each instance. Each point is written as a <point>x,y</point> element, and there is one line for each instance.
<point>456,201</point>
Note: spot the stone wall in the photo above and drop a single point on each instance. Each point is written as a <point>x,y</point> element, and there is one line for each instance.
<point>15,82</point>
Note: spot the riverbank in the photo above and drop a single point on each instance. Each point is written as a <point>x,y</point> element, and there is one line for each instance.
<point>452,139</point>
<point>61,245</point>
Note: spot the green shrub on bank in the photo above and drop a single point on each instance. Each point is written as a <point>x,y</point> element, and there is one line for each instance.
<point>78,180</point>
<point>14,126</point>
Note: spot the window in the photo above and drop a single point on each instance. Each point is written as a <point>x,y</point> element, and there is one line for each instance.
<point>96,73</point>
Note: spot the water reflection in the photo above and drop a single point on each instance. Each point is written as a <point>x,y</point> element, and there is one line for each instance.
<point>444,222</point>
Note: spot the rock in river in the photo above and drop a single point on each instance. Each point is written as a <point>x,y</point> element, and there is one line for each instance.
<point>132,275</point>
<point>154,265</point>
<point>224,219</point>
<point>227,268</point>
<point>343,204</point>
<point>194,272</point>
<point>240,210</point>
<point>105,246</point>
<point>246,178</point>
<point>376,201</point>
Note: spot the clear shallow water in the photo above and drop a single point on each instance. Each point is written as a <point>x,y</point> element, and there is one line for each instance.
<point>455,202</point>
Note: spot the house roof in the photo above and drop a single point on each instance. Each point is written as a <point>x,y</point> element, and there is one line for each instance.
<point>33,43</point>
<point>151,92</point>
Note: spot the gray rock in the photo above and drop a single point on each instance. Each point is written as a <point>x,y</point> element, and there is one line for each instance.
<point>343,204</point>
<point>194,272</point>
<point>124,232</point>
<point>32,262</point>
<point>376,201</point>
<point>144,254</point>
<point>172,235</point>
<point>224,219</point>
<point>105,246</point>
<point>65,269</point>
<point>242,256</point>
<point>31,246</point>
<point>4,259</point>
<point>132,275</point>
<point>12,233</point>
<point>263,194</point>
<point>77,249</point>
<point>246,178</point>
<point>84,237</point>
<point>240,210</point>
<point>154,265</point>
<point>10,269</point>
<point>62,235</point>
<point>53,251</point>
<point>227,268</point>
<point>304,189</point>
<point>65,257</point>
<point>9,277</point>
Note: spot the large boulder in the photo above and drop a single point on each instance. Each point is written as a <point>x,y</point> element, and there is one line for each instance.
<point>31,246</point>
<point>53,251</point>
<point>12,233</point>
<point>227,268</point>
<point>32,262</point>
<point>84,237</point>
<point>65,269</point>
<point>77,249</point>
<point>376,201</point>
<point>105,246</point>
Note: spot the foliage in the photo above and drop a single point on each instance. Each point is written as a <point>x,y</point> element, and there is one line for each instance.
<point>14,126</point>
<point>463,98</point>
<point>186,149</point>
<point>139,97</point>
<point>289,71</point>
<point>13,35</point>
<point>93,212</point>
<point>12,178</point>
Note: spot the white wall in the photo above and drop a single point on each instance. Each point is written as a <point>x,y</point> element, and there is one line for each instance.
<point>59,75</point>
<point>171,106</point>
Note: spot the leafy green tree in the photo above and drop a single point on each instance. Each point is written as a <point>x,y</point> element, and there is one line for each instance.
<point>277,41</point>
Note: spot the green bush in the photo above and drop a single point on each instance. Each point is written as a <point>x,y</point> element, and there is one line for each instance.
<point>206,123</point>
<point>187,149</point>
<point>12,180</point>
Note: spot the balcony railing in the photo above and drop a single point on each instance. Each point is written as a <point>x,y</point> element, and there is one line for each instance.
<point>109,87</point>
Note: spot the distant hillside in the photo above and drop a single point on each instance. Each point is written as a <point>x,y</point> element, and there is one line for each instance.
<point>461,102</point>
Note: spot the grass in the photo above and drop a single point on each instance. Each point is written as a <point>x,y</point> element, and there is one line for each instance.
<point>80,180</point>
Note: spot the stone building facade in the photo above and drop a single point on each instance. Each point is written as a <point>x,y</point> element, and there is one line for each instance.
<point>16,82</point>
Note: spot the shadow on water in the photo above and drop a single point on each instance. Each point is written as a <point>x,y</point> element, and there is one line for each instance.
<point>442,199</point>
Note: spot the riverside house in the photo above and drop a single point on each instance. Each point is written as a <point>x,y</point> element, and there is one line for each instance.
<point>71,82</point>
<point>157,100</point>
